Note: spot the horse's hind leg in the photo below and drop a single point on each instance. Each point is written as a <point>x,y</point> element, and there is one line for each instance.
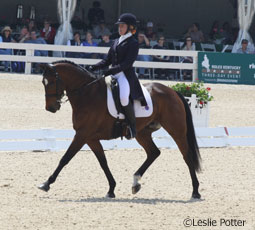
<point>97,148</point>
<point>145,140</point>
<point>180,138</point>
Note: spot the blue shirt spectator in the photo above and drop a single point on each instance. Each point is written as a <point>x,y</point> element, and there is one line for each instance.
<point>244,49</point>
<point>33,39</point>
<point>89,42</point>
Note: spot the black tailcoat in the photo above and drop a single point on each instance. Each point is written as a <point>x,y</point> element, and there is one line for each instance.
<point>121,57</point>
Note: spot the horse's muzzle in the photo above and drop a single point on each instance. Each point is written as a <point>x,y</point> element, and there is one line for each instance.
<point>53,109</point>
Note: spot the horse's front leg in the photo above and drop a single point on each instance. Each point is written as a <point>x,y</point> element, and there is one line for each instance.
<point>97,148</point>
<point>75,146</point>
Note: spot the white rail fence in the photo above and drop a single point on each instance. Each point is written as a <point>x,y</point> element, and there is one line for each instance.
<point>56,140</point>
<point>30,58</point>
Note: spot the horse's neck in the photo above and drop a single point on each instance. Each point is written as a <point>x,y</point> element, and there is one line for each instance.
<point>89,99</point>
<point>76,84</point>
<point>74,78</point>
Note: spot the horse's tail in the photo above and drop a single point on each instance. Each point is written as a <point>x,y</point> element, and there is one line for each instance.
<point>193,152</point>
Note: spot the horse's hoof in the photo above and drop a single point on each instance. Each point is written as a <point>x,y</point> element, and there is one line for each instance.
<point>196,195</point>
<point>110,195</point>
<point>45,187</point>
<point>136,188</point>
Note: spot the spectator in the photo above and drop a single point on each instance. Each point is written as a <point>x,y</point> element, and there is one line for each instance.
<point>227,33</point>
<point>149,32</point>
<point>6,37</point>
<point>195,33</point>
<point>48,32</point>
<point>100,29</point>
<point>162,73</point>
<point>244,49</point>
<point>188,45</point>
<point>6,34</point>
<point>37,40</point>
<point>31,25</point>
<point>106,42</point>
<point>76,41</point>
<point>89,42</point>
<point>95,14</point>
<point>215,30</point>
<point>144,43</point>
<point>24,35</point>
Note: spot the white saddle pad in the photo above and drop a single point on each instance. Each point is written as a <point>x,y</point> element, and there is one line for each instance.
<point>140,111</point>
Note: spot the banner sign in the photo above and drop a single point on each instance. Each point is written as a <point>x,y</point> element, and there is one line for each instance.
<point>226,68</point>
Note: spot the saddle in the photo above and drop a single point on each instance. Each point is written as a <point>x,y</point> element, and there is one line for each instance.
<point>115,108</point>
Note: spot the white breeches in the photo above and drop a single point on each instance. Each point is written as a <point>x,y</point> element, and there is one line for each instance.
<point>124,88</point>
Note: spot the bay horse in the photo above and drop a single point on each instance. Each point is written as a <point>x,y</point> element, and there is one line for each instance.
<point>92,121</point>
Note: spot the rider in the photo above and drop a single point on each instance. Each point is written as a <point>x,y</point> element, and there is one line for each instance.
<point>121,56</point>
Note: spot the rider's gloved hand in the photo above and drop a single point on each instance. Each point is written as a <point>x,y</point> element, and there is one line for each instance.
<point>107,72</point>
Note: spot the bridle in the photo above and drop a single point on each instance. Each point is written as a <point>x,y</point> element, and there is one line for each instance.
<point>59,95</point>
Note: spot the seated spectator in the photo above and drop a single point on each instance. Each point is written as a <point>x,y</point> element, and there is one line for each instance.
<point>144,43</point>
<point>244,49</point>
<point>76,41</point>
<point>89,42</point>
<point>195,33</point>
<point>6,37</point>
<point>106,42</point>
<point>100,29</point>
<point>48,32</point>
<point>162,73</point>
<point>37,40</point>
<point>188,45</point>
<point>215,30</point>
<point>31,25</point>
<point>227,34</point>
<point>150,33</point>
<point>24,35</point>
<point>95,14</point>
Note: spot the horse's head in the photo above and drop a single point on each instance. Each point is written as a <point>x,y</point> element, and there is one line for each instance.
<point>54,88</point>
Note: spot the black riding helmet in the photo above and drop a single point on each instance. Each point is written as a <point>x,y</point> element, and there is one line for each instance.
<point>127,18</point>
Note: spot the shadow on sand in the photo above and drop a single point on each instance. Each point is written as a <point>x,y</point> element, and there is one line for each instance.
<point>133,200</point>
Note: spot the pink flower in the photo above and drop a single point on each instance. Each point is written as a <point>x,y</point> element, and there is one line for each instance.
<point>208,88</point>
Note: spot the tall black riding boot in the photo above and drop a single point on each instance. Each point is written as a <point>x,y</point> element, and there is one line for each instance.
<point>130,118</point>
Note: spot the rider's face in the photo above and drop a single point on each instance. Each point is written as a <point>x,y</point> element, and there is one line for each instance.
<point>123,29</point>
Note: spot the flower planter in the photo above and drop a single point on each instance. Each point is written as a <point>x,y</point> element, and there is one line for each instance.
<point>199,110</point>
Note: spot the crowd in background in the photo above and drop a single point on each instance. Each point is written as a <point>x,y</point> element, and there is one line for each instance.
<point>98,34</point>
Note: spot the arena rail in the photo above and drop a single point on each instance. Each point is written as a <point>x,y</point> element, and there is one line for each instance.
<point>29,58</point>
<point>56,140</point>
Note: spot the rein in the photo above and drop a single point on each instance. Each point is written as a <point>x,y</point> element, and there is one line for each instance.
<point>82,87</point>
<point>60,95</point>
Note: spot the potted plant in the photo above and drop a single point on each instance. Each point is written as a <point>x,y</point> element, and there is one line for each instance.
<point>198,98</point>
